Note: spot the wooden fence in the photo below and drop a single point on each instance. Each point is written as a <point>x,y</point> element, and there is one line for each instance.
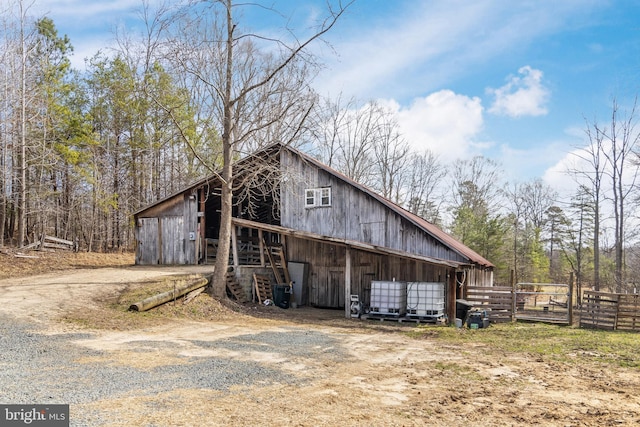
<point>604,310</point>
<point>499,299</point>
<point>544,302</point>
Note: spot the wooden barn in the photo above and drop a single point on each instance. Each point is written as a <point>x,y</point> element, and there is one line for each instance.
<point>335,236</point>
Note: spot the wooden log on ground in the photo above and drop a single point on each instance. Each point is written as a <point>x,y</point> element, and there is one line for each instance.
<point>56,246</point>
<point>31,246</point>
<point>187,286</point>
<point>58,240</point>
<point>192,295</point>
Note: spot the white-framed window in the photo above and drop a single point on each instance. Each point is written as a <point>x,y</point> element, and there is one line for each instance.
<point>317,197</point>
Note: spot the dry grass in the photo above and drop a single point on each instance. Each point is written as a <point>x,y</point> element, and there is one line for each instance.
<point>14,263</point>
<point>113,312</point>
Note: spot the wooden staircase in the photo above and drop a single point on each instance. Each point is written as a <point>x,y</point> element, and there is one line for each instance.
<point>236,289</point>
<point>278,262</point>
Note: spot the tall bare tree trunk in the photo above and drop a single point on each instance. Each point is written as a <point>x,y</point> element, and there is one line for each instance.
<point>3,161</point>
<point>222,256</point>
<point>249,93</point>
<point>22,198</point>
<point>623,141</point>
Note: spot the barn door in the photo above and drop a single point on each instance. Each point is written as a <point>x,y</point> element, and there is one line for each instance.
<point>147,241</point>
<point>327,290</point>
<point>336,284</point>
<point>172,239</point>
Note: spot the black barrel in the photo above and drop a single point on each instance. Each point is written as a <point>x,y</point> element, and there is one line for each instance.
<point>281,295</point>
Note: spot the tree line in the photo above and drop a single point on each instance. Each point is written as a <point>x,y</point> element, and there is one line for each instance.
<point>81,150</point>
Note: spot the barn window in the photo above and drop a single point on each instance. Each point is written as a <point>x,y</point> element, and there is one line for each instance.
<point>315,197</point>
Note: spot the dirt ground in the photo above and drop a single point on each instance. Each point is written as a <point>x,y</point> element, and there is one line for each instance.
<point>374,373</point>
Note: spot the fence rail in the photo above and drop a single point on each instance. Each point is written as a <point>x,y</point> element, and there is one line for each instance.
<point>605,310</point>
<point>498,299</point>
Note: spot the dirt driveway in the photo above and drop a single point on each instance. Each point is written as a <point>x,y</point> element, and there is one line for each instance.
<point>240,369</point>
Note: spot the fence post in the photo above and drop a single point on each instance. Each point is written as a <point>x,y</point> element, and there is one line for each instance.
<point>570,299</point>
<point>513,295</point>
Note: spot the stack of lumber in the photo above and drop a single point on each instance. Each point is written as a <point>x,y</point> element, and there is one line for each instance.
<point>50,243</point>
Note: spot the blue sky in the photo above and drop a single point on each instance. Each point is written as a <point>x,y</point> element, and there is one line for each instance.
<point>511,80</point>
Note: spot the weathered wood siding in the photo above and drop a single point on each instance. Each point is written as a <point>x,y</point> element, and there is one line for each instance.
<point>353,214</point>
<point>327,263</point>
<point>172,240</point>
<point>164,232</point>
<point>480,276</point>
<point>147,251</point>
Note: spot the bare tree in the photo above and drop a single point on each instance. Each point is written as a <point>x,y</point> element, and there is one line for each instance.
<point>557,224</point>
<point>516,200</point>
<point>326,125</point>
<point>622,141</point>
<point>485,175</point>
<point>589,174</point>
<point>364,143</point>
<point>22,155</point>
<point>608,155</point>
<point>7,134</point>
<point>245,86</point>
<point>390,153</point>
<point>424,196</point>
<point>576,243</point>
<point>538,198</point>
<point>529,205</point>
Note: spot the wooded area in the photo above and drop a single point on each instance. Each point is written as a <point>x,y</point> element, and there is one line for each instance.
<point>81,150</point>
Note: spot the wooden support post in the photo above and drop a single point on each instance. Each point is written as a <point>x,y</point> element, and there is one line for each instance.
<point>570,299</point>
<point>347,283</point>
<point>198,244</point>
<point>451,294</point>
<point>262,247</point>
<point>234,245</point>
<point>514,295</point>
<point>202,224</point>
<point>283,259</point>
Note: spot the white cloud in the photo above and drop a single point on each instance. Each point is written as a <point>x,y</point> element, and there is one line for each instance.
<point>381,58</point>
<point>424,46</point>
<point>444,122</point>
<point>76,10</point>
<point>557,177</point>
<point>523,95</point>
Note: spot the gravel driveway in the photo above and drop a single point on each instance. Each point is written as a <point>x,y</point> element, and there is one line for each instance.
<point>44,368</point>
<point>45,362</point>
